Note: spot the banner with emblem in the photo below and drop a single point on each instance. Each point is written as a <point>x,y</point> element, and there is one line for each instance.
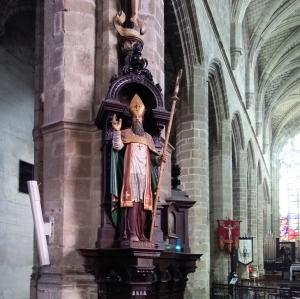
<point>245,253</point>
<point>229,234</point>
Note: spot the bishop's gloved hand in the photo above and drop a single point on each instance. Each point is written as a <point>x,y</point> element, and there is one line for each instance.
<point>162,159</point>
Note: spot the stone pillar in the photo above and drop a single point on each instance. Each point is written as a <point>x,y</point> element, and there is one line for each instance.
<point>152,13</point>
<point>249,99</point>
<point>258,128</point>
<point>240,192</point>
<point>239,178</point>
<point>68,146</point>
<point>236,46</point>
<point>106,48</point>
<point>275,197</point>
<point>192,157</point>
<point>221,199</point>
<point>260,228</point>
<point>252,213</point>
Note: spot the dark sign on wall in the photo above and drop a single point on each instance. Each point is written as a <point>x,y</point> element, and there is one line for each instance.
<point>25,174</point>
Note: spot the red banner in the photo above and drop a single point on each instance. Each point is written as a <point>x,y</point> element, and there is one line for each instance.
<point>229,234</point>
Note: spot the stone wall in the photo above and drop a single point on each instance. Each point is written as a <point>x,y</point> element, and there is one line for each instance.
<point>16,227</point>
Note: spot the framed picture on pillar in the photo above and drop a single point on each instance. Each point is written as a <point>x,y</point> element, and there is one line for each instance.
<point>245,251</point>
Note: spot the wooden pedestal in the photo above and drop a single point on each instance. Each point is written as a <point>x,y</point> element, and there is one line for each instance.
<point>123,273</point>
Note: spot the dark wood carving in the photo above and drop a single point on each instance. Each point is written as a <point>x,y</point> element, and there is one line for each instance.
<point>139,273</point>
<point>134,77</point>
<point>175,220</point>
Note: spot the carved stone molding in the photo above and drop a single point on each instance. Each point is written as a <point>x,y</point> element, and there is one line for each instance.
<point>236,53</point>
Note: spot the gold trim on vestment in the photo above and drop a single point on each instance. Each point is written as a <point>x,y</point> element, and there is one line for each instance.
<point>129,137</point>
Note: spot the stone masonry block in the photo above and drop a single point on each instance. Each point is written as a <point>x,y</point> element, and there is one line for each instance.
<point>75,213</point>
<point>53,168</point>
<point>58,23</point>
<point>78,22</point>
<point>80,135</point>
<point>78,167</point>
<point>81,6</point>
<point>78,189</point>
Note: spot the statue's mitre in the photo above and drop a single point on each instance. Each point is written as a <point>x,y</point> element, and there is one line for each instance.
<point>137,107</point>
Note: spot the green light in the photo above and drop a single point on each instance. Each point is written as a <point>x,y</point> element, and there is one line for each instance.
<point>168,247</point>
<point>178,248</point>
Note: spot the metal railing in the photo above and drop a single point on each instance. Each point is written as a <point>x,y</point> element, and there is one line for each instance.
<point>253,292</point>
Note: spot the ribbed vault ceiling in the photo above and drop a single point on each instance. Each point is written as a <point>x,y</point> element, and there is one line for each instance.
<point>274,50</point>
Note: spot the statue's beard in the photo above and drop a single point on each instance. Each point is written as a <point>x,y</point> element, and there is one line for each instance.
<point>137,128</point>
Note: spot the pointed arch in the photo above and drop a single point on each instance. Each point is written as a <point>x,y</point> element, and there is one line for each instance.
<point>218,94</point>
<point>238,10</point>
<point>238,142</point>
<point>188,28</point>
<point>183,44</point>
<point>237,130</point>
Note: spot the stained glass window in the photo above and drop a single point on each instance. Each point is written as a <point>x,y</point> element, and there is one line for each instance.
<point>289,190</point>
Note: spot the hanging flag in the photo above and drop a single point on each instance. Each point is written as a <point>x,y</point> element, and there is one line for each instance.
<point>229,234</point>
<point>245,254</point>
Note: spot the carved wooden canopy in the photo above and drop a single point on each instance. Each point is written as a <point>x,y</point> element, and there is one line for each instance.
<point>134,77</point>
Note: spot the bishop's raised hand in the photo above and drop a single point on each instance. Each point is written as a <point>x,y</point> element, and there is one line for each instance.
<point>116,124</point>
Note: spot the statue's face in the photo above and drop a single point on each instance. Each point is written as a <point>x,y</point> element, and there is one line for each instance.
<point>137,126</point>
<point>139,118</point>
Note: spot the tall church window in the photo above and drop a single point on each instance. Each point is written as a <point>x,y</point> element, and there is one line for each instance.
<point>289,190</point>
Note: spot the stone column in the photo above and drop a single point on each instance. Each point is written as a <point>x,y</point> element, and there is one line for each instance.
<point>192,156</point>
<point>240,192</point>
<point>252,213</point>
<point>240,201</point>
<point>152,12</point>
<point>106,49</point>
<point>69,147</point>
<point>221,199</point>
<point>275,214</point>
<point>260,228</point>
